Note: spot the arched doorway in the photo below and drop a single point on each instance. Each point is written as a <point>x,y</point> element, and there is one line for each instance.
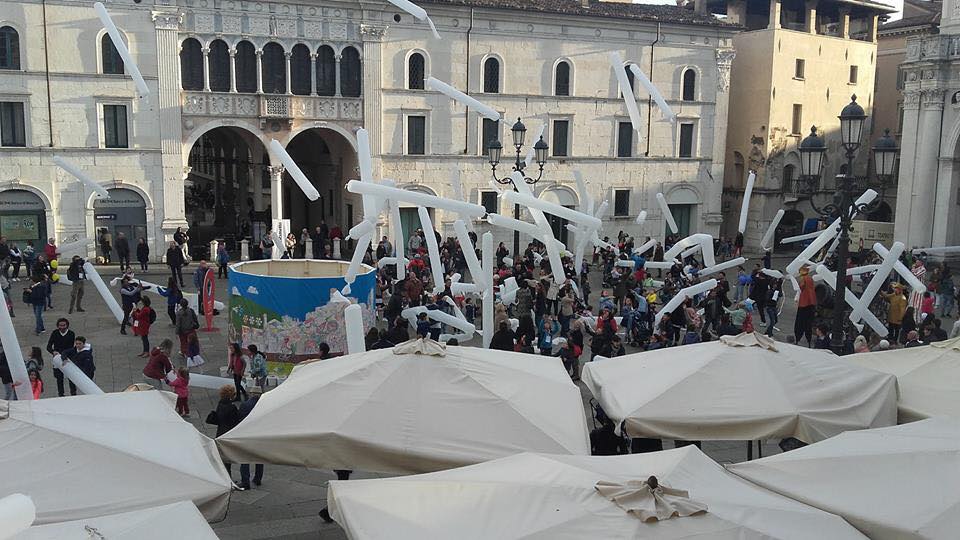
<point>125,212</point>
<point>683,203</point>
<point>328,161</point>
<point>227,192</point>
<point>23,217</point>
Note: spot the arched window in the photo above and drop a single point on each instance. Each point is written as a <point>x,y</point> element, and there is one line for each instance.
<point>219,60</point>
<point>191,65</point>
<point>789,178</point>
<point>561,85</point>
<point>689,85</point>
<point>9,48</point>
<point>110,59</point>
<point>300,70</point>
<point>350,73</point>
<point>491,76</point>
<point>246,67</point>
<point>274,65</point>
<point>416,71</point>
<point>326,71</point>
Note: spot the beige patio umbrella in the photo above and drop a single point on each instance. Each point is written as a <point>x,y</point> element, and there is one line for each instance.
<point>562,497</point>
<point>928,378</point>
<point>181,521</point>
<point>893,483</point>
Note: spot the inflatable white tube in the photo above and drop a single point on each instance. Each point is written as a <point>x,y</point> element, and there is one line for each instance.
<point>523,227</point>
<point>830,279</point>
<point>483,109</point>
<point>199,380</point>
<point>943,250</point>
<point>371,204</point>
<point>128,64</point>
<point>745,205</point>
<point>641,217</point>
<point>767,241</point>
<point>801,237</point>
<point>75,171</point>
<point>353,319</point>
<point>874,286</point>
<point>355,261</point>
<point>662,265</point>
<point>732,263</point>
<point>77,377</point>
<point>508,261</point>
<point>464,288</point>
<point>601,210</point>
<point>625,263</point>
<point>398,243</point>
<point>536,257</point>
<point>436,269</point>
<point>585,199</point>
<point>825,236</point>
<point>654,92</point>
<point>108,298</point>
<point>600,243</point>
<point>667,215</point>
<point>17,513</point>
<point>411,313</point>
<point>681,297</point>
<point>691,251</point>
<point>904,272</point>
<point>337,297</point>
<point>360,230</point>
<point>616,62</point>
<point>515,197</point>
<point>470,254</point>
<point>646,246</point>
<point>387,261</point>
<point>684,243</point>
<point>416,198</point>
<point>450,320</point>
<point>11,348</point>
<point>305,185</point>
<point>418,13</point>
<point>531,152</point>
<point>776,274</point>
<point>459,337</point>
<point>486,251</point>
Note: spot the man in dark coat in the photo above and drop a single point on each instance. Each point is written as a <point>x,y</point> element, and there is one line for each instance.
<point>61,339</point>
<point>81,354</point>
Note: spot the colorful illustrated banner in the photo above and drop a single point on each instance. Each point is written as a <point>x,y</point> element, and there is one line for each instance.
<point>287,318</point>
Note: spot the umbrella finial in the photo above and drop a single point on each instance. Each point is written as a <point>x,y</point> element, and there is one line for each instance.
<point>653,482</point>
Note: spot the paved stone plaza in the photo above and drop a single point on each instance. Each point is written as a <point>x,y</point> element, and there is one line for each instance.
<point>286,505</point>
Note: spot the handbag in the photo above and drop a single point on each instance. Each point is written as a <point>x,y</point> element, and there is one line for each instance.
<point>212,418</point>
<point>195,361</point>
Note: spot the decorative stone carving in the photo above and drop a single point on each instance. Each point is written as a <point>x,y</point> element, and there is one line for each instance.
<point>932,98</point>
<point>203,22</point>
<point>259,26</point>
<point>231,24</point>
<point>195,104</point>
<point>338,31</point>
<point>724,62</point>
<point>369,32</point>
<point>164,20</point>
<point>246,105</point>
<point>351,110</point>
<point>312,29</point>
<point>221,104</point>
<point>326,108</point>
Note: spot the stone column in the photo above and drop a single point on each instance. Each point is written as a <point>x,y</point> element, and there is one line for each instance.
<point>845,23</point>
<point>371,92</point>
<point>946,222</point>
<point>774,14</point>
<point>233,71</point>
<point>276,192</point>
<point>711,215</point>
<point>916,191</point>
<point>811,16</point>
<point>313,74</point>
<point>289,76</point>
<point>259,71</point>
<point>337,71</point>
<point>206,69</point>
<point>872,29</point>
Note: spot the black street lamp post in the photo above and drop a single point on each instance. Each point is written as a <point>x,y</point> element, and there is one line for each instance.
<point>494,152</point>
<point>843,207</point>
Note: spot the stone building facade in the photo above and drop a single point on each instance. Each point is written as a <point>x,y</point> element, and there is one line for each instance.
<point>228,76</point>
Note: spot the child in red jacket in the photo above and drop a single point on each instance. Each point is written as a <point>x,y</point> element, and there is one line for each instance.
<point>142,319</point>
<point>181,387</point>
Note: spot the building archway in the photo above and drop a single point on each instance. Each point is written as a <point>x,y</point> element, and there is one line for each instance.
<point>329,161</point>
<point>683,202</point>
<point>124,213</point>
<point>23,217</point>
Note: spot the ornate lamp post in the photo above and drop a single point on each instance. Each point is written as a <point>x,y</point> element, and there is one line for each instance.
<point>494,153</point>
<point>812,150</point>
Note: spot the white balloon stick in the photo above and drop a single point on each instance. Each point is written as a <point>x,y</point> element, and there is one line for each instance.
<point>691,251</point>
<point>411,313</point>
<point>482,109</point>
<point>663,265</point>
<point>796,286</point>
<point>522,227</point>
<point>470,254</point>
<point>943,249</point>
<point>122,50</point>
<point>108,298</point>
<point>14,355</point>
<point>353,320</point>
<point>338,297</point>
<point>432,249</point>
<point>646,246</point>
<point>625,263</point>
<point>416,198</point>
<point>371,206</point>
<point>865,269</point>
<point>904,272</point>
<point>398,243</point>
<point>569,214</point>
<point>76,376</point>
<point>418,13</point>
<point>75,171</point>
<point>576,289</point>
<point>601,210</point>
<point>386,261</point>
<point>464,288</point>
<point>210,382</point>
<point>801,237</point>
<point>667,215</point>
<point>450,320</point>
<point>531,152</point>
<point>654,92</point>
<point>305,185</point>
<point>486,251</point>
<point>278,245</point>
<point>776,274</point>
<point>641,217</point>
<point>360,229</point>
<point>508,261</point>
<point>17,513</point>
<point>830,279</point>
<point>825,236</point>
<point>722,266</point>
<point>358,252</point>
<point>616,62</point>
<point>867,198</point>
<point>681,297</point>
<point>585,198</point>
<point>455,278</point>
<point>606,245</point>
<point>745,205</point>
<point>767,241</point>
<point>685,243</point>
<point>536,257</point>
<point>873,287</point>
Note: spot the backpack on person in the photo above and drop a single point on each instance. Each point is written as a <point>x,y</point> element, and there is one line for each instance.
<point>153,315</point>
<point>258,366</point>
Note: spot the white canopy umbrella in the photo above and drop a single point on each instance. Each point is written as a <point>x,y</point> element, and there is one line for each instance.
<point>928,377</point>
<point>746,387</point>
<point>892,483</point>
<point>86,456</point>
<point>179,520</point>
<point>395,412</point>
<point>557,497</point>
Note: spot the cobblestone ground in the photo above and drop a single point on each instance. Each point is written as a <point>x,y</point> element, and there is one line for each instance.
<point>286,505</point>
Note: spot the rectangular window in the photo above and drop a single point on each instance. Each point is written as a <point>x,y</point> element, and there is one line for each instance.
<point>686,140</point>
<point>561,138</point>
<point>799,67</point>
<point>625,139</point>
<point>115,126</point>
<point>796,127</point>
<point>416,135</point>
<point>621,202</point>
<point>490,133</point>
<point>853,74</point>
<point>488,200</point>
<point>12,131</point>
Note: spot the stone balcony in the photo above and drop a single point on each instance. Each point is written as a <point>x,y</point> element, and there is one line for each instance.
<point>272,107</point>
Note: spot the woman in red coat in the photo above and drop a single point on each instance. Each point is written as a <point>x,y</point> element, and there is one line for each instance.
<point>159,364</point>
<point>142,319</point>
